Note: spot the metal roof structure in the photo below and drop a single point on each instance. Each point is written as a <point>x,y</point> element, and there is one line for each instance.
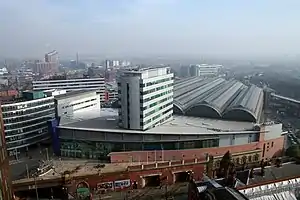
<point>218,98</point>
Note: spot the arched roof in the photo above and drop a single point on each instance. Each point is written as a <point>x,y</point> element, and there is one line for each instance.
<point>178,109</point>
<point>240,114</point>
<point>204,110</point>
<point>217,97</point>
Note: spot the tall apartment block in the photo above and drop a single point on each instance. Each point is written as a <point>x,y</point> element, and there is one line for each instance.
<point>49,65</point>
<point>145,97</point>
<point>5,181</point>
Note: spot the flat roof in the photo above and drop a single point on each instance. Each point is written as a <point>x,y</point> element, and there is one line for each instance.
<point>273,173</point>
<point>178,125</point>
<point>73,94</point>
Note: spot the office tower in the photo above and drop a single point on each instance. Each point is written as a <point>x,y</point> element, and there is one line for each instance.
<point>145,97</point>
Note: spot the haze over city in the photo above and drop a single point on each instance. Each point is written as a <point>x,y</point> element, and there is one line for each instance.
<point>149,99</point>
<point>150,27</point>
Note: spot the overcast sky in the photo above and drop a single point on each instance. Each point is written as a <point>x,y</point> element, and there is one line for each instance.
<point>142,27</point>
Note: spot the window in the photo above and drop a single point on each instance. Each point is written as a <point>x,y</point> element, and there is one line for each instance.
<point>249,158</point>
<point>256,157</point>
<point>244,159</point>
<point>237,160</point>
<point>272,144</point>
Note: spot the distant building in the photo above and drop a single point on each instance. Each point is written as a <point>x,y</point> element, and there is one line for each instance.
<point>146,97</point>
<point>25,121</point>
<point>204,70</point>
<point>111,92</point>
<point>49,65</point>
<point>72,85</point>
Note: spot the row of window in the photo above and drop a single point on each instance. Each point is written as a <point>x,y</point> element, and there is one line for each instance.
<point>28,111</point>
<point>156,82</point>
<point>156,110</point>
<point>154,118</point>
<point>158,122</point>
<point>28,141</point>
<point>28,118</point>
<point>68,81</point>
<point>155,96</point>
<point>26,105</point>
<point>25,136</point>
<point>78,103</point>
<point>25,130</point>
<point>156,103</point>
<point>43,119</point>
<point>81,149</point>
<point>155,89</point>
<point>241,160</point>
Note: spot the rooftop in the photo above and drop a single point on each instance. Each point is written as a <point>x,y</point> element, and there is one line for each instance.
<point>217,97</point>
<point>179,125</point>
<point>274,173</point>
<point>74,93</point>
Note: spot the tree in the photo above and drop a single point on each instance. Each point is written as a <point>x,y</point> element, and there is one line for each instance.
<point>293,151</point>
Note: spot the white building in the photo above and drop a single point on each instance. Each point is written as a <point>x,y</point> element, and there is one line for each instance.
<point>204,70</point>
<point>146,97</point>
<point>72,85</point>
<point>25,121</point>
<point>77,106</point>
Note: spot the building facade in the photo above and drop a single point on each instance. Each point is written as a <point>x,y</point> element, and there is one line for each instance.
<point>72,85</point>
<point>204,70</point>
<point>70,106</point>
<point>145,97</point>
<point>170,141</point>
<point>5,180</point>
<point>25,122</point>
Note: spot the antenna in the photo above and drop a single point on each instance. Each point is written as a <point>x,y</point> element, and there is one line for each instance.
<point>77,59</point>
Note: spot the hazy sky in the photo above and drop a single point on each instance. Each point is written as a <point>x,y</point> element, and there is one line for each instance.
<point>142,27</point>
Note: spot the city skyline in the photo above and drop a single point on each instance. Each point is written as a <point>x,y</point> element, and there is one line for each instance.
<point>149,27</point>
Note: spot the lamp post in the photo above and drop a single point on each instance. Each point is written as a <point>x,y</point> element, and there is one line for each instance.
<point>35,186</point>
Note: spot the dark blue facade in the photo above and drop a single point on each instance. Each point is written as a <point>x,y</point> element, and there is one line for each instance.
<point>52,128</point>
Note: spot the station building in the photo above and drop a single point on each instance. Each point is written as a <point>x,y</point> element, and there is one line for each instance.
<point>211,116</point>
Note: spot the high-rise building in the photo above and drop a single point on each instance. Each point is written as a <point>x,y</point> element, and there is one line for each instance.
<point>5,181</point>
<point>145,96</point>
<point>49,65</point>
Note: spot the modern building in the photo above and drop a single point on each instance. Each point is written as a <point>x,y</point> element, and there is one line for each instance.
<point>71,106</point>
<point>5,179</point>
<point>204,70</point>
<point>72,85</point>
<point>218,98</point>
<point>25,121</point>
<point>182,137</point>
<point>145,97</point>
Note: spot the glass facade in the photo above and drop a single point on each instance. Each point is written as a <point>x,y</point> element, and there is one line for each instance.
<point>100,150</point>
<point>25,123</point>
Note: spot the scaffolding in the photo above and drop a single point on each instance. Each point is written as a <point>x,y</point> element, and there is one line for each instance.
<point>284,190</point>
